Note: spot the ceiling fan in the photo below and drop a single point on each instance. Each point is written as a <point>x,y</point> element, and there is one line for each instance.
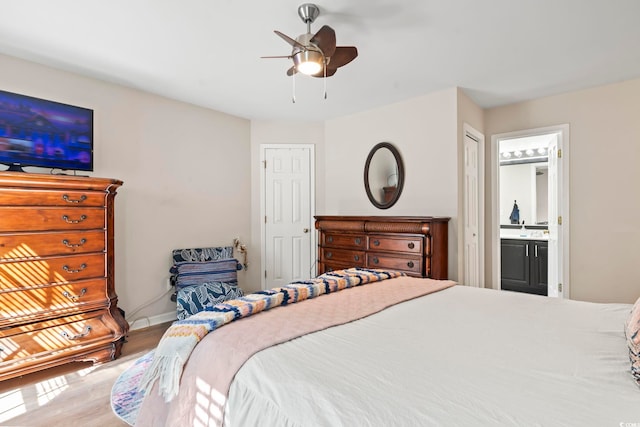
<point>316,54</point>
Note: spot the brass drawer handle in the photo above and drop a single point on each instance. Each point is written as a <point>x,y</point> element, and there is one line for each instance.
<point>74,245</point>
<point>356,258</point>
<point>375,260</point>
<point>329,254</point>
<point>75,297</point>
<point>71,270</point>
<point>411,245</point>
<point>410,264</point>
<point>357,241</point>
<point>73,221</point>
<point>83,334</point>
<point>66,198</point>
<point>376,243</point>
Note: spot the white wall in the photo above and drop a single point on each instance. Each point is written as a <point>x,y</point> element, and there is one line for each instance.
<point>184,170</point>
<point>604,199</point>
<point>424,130</point>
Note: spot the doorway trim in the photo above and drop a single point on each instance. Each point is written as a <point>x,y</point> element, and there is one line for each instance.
<point>563,208</point>
<point>263,201</point>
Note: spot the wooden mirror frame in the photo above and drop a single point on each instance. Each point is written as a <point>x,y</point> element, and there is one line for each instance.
<point>396,195</point>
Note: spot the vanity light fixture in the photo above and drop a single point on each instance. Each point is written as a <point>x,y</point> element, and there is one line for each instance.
<point>530,155</point>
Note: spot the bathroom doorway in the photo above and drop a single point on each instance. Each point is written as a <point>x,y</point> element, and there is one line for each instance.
<point>524,163</point>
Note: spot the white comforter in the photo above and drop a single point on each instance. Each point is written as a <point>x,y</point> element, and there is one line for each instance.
<point>459,357</point>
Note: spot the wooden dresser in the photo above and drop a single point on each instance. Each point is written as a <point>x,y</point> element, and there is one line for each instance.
<point>57,298</point>
<point>416,245</point>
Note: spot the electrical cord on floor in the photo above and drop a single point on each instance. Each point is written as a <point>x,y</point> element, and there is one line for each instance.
<point>146,304</point>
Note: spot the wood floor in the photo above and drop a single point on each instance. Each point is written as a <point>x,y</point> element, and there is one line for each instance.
<point>75,394</point>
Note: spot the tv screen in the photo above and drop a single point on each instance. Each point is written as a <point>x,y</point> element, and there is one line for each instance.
<point>37,132</point>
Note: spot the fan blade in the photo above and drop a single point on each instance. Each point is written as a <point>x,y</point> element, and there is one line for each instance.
<point>281,56</point>
<point>325,39</point>
<point>289,40</point>
<point>330,72</point>
<point>342,56</point>
<point>291,71</point>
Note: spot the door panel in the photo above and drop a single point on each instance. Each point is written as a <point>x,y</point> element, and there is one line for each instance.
<point>288,215</point>
<point>540,269</point>
<point>471,214</point>
<point>555,237</point>
<point>515,264</point>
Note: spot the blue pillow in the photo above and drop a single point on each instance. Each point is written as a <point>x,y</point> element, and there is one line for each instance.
<point>197,273</point>
<point>202,254</point>
<point>194,299</point>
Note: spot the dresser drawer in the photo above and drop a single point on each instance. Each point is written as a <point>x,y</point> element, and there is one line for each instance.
<point>22,306</point>
<point>396,244</point>
<point>343,256</point>
<point>347,241</point>
<point>38,342</point>
<point>35,273</point>
<point>31,245</point>
<point>406,263</point>
<point>28,197</point>
<point>44,219</point>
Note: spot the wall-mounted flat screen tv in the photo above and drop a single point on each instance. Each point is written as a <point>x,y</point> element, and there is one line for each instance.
<point>48,134</point>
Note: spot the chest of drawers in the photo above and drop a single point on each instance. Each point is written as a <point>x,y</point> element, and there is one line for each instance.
<point>415,245</point>
<point>57,295</point>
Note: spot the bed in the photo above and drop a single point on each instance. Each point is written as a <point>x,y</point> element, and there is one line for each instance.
<point>454,356</point>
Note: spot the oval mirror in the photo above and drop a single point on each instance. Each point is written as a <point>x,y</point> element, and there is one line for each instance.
<point>384,175</point>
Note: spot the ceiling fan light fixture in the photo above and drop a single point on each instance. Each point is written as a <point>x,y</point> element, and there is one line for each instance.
<point>308,61</point>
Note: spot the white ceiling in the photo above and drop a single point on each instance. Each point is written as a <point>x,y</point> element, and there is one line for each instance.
<point>207,52</point>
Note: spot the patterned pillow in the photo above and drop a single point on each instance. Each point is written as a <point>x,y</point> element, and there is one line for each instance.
<point>202,254</point>
<point>194,299</point>
<point>196,273</point>
<point>632,332</point>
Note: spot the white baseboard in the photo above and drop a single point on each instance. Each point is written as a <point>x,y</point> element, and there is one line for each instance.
<point>145,322</point>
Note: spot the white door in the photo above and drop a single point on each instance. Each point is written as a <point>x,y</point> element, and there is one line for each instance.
<point>555,214</point>
<point>288,214</point>
<point>472,262</point>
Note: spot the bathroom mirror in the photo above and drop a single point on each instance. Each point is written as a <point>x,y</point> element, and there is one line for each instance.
<point>383,175</point>
<point>527,184</point>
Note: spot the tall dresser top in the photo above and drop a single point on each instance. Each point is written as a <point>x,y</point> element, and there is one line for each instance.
<point>51,182</point>
<point>381,224</point>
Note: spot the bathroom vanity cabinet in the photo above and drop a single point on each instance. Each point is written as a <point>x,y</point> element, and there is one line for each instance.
<point>524,265</point>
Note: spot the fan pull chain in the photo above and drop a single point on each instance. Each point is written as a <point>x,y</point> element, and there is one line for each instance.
<point>325,80</point>
<point>293,88</point>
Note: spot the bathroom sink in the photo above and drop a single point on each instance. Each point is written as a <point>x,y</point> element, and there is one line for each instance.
<point>523,234</point>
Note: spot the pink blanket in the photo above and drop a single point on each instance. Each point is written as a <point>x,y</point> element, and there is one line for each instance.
<point>213,364</point>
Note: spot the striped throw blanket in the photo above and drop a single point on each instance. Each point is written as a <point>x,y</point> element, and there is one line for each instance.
<point>180,339</point>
